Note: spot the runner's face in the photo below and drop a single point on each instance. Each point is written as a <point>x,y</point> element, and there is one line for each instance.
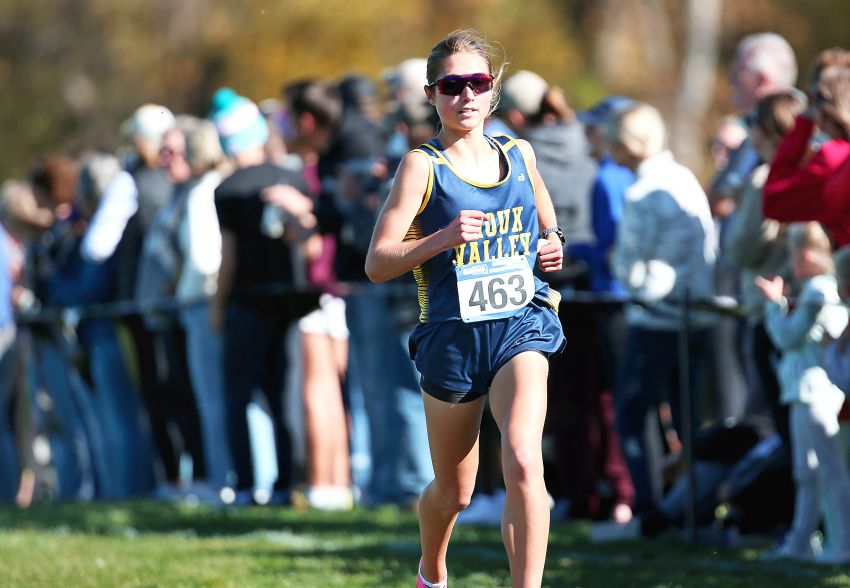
<point>467,110</point>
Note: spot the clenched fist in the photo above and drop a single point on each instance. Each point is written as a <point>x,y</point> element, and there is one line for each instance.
<point>550,255</point>
<point>465,227</point>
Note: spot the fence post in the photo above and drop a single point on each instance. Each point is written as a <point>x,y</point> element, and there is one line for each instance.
<point>687,419</point>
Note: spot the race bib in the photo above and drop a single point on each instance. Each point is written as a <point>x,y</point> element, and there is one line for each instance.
<point>495,288</point>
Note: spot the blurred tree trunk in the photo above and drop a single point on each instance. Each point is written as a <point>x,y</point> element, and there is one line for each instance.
<point>183,21</point>
<point>633,49</point>
<point>697,82</point>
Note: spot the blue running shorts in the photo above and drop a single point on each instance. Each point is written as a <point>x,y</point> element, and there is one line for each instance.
<point>458,361</point>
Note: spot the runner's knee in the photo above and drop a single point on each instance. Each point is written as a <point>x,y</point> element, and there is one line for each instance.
<point>521,465</point>
<point>454,498</point>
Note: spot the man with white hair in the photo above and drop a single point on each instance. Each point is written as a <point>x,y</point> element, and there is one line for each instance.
<point>666,247</point>
<point>764,63</point>
<point>132,197</point>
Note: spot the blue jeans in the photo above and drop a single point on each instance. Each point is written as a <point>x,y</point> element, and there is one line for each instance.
<point>123,420</point>
<point>360,444</point>
<point>649,374</point>
<point>205,355</point>
<point>64,416</point>
<point>10,471</point>
<point>389,385</point>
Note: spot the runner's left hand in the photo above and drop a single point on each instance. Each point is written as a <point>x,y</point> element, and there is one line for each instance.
<point>550,254</point>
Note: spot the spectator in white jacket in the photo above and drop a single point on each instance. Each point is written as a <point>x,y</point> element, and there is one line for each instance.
<point>199,238</point>
<point>666,247</point>
<point>820,470</point>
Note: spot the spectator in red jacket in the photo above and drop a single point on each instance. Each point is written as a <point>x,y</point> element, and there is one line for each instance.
<point>795,187</point>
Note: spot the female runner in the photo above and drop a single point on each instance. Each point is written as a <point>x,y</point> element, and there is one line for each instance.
<point>469,214</point>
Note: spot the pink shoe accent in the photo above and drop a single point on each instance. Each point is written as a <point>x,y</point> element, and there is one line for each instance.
<point>420,582</point>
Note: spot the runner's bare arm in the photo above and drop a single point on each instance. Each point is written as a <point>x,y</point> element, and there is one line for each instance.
<point>550,252</point>
<point>389,255</point>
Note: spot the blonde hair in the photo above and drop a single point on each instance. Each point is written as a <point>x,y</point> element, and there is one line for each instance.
<point>811,237</point>
<point>466,41</point>
<point>203,147</point>
<point>640,129</point>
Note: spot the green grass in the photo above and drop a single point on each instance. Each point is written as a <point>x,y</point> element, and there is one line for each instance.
<point>156,544</point>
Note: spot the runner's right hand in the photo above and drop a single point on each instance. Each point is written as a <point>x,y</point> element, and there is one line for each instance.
<point>466,227</point>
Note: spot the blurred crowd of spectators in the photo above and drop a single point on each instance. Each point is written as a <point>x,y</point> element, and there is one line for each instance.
<point>190,317</point>
<point>193,316</point>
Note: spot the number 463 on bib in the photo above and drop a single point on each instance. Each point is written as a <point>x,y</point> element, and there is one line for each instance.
<point>495,288</point>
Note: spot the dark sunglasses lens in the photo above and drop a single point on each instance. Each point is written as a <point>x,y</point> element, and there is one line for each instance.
<point>451,87</point>
<point>454,86</point>
<point>481,85</point>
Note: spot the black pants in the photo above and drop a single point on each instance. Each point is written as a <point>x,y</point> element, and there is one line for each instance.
<point>168,395</point>
<point>649,374</point>
<point>587,468</point>
<point>761,357</point>
<point>255,360</point>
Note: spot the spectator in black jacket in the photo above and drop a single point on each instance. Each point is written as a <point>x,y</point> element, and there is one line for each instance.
<point>254,303</point>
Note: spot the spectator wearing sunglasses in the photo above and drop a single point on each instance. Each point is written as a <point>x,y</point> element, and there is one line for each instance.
<point>795,187</point>
<point>197,240</point>
<point>764,62</point>
<point>133,197</point>
<point>118,228</point>
<point>464,205</point>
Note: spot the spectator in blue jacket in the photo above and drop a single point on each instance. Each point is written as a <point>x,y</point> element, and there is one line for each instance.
<point>607,196</point>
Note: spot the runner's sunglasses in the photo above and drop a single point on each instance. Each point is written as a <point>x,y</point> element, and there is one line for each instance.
<point>455,85</point>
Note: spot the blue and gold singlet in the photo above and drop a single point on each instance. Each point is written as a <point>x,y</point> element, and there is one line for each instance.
<point>511,226</point>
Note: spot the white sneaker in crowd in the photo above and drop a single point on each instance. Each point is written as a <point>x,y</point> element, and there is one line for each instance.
<point>789,549</point>
<point>608,531</point>
<point>483,509</point>
<point>330,498</point>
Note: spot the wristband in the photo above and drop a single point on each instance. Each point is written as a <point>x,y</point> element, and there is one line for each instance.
<point>557,231</point>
